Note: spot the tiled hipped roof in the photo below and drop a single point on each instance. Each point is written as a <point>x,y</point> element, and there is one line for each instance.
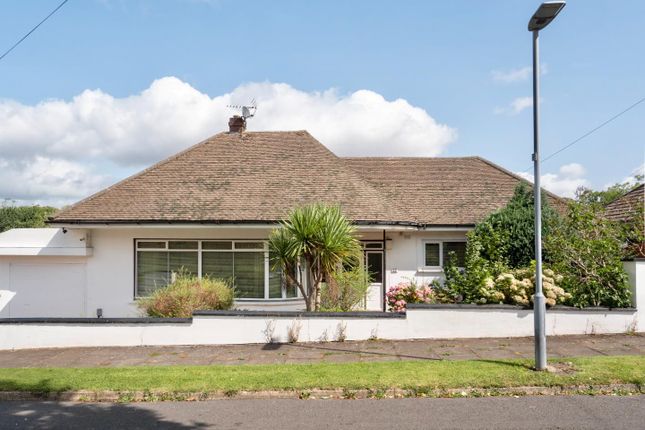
<point>236,177</point>
<point>261,176</point>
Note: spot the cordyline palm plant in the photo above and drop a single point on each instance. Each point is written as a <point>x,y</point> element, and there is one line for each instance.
<point>314,241</point>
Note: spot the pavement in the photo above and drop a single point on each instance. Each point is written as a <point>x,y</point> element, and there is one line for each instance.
<point>330,352</point>
<point>574,412</point>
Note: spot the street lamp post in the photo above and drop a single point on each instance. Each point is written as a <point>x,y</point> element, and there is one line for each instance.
<point>540,19</point>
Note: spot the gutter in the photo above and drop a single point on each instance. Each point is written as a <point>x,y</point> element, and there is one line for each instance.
<point>398,225</point>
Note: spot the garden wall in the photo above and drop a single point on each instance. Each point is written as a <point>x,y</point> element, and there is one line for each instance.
<point>239,327</point>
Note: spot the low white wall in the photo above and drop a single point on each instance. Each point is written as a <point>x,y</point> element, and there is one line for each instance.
<point>419,323</point>
<point>211,330</point>
<point>482,321</point>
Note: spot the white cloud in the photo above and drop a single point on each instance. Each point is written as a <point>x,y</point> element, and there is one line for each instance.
<point>637,172</point>
<point>97,128</point>
<point>565,182</point>
<point>631,179</point>
<point>46,181</point>
<point>516,75</point>
<point>516,106</point>
<point>513,75</point>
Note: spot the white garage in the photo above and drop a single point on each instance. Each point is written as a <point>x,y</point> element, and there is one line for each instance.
<point>42,273</point>
<point>46,290</point>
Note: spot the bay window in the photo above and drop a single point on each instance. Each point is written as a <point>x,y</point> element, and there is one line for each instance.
<point>245,264</point>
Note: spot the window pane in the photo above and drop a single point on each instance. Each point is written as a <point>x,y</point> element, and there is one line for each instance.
<point>275,285</point>
<point>292,290</point>
<point>218,265</point>
<point>375,266</point>
<point>152,271</point>
<point>249,245</point>
<point>182,244</point>
<point>151,245</point>
<point>185,262</point>
<point>217,245</point>
<point>249,274</point>
<point>374,245</point>
<point>432,254</point>
<point>459,248</point>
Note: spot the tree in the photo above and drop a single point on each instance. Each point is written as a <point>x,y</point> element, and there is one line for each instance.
<point>24,216</point>
<point>507,236</point>
<point>603,197</point>
<point>312,243</point>
<point>586,248</point>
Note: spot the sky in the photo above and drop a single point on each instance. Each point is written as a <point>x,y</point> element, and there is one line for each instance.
<point>105,88</point>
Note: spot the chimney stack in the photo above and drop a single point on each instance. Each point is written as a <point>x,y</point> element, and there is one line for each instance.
<point>236,124</point>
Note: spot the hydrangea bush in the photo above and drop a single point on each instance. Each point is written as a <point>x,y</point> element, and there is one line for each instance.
<point>399,295</point>
<point>518,286</point>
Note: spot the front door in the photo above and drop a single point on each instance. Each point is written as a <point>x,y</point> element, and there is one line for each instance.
<point>374,266</point>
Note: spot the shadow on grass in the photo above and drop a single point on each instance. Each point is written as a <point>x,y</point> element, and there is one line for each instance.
<point>41,388</point>
<point>322,347</point>
<point>514,364</point>
<point>39,415</point>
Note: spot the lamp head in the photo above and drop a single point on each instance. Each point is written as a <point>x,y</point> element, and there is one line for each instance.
<point>545,14</point>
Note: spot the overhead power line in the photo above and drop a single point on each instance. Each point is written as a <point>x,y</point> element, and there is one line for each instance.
<point>32,30</point>
<point>593,130</point>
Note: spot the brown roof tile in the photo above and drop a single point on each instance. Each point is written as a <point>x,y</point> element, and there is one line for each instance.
<point>261,176</point>
<point>626,206</point>
<point>236,177</point>
<point>442,190</point>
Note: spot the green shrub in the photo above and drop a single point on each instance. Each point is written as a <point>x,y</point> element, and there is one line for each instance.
<point>344,290</point>
<point>187,294</point>
<point>462,286</point>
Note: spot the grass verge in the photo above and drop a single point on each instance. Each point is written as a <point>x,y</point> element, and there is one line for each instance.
<point>486,374</point>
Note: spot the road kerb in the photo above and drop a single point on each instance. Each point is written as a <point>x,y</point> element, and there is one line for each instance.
<point>318,394</point>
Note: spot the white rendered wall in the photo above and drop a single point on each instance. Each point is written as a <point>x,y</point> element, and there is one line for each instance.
<point>110,271</point>
<point>405,255</point>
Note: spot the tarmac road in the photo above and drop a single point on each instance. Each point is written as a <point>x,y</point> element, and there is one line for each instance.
<point>561,412</point>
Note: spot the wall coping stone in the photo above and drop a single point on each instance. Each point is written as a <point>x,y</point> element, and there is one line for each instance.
<point>125,321</point>
<point>471,306</point>
<point>300,314</point>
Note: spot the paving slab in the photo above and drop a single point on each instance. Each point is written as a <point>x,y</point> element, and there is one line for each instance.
<point>328,352</point>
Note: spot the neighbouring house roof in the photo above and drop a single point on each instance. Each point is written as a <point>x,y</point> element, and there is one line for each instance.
<point>260,176</point>
<point>626,206</point>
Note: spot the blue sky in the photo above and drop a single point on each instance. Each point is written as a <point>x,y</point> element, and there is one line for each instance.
<point>161,72</point>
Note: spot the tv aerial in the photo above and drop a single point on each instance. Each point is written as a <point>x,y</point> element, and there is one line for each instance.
<point>248,111</point>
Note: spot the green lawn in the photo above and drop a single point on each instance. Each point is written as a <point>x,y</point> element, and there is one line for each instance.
<point>377,375</point>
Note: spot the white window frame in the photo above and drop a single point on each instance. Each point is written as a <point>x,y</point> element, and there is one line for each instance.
<point>422,266</point>
<point>200,251</point>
